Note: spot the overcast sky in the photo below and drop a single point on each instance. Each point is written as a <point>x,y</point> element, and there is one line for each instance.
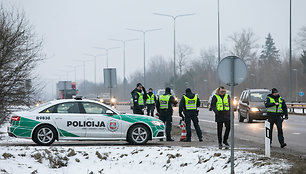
<point>70,28</point>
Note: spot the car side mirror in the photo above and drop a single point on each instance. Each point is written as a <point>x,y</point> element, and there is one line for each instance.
<point>109,112</point>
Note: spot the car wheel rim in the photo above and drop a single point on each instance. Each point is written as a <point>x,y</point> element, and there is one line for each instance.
<point>139,135</point>
<point>45,135</point>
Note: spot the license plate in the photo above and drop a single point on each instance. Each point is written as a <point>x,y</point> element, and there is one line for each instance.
<point>264,114</point>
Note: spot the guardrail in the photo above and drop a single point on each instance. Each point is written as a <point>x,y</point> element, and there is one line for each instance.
<point>293,108</point>
<point>204,104</point>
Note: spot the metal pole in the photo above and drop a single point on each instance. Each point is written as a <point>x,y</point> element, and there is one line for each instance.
<point>232,117</point>
<point>218,33</point>
<point>124,85</point>
<point>290,56</point>
<point>96,76</point>
<point>84,77</point>
<point>106,58</point>
<point>174,73</point>
<point>296,85</point>
<point>144,58</point>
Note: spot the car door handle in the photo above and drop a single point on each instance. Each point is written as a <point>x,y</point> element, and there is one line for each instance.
<point>89,118</point>
<point>58,118</point>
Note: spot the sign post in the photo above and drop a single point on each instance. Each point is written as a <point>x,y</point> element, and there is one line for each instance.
<point>267,139</point>
<point>232,71</point>
<point>110,79</point>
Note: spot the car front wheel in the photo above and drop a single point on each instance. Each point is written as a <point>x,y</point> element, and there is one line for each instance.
<point>138,134</point>
<point>44,135</point>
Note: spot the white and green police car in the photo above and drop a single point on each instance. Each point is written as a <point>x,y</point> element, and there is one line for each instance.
<point>77,119</point>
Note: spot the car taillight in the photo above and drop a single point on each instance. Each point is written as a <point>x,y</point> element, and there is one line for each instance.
<point>15,118</point>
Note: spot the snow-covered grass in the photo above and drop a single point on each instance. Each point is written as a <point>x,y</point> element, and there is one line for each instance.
<point>132,159</point>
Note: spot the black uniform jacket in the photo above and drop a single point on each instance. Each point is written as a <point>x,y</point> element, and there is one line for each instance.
<point>220,116</point>
<point>182,107</point>
<point>269,104</point>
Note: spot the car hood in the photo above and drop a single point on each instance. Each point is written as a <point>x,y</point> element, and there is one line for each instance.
<point>258,105</point>
<point>137,118</point>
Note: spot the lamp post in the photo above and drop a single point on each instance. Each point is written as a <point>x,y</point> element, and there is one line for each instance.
<point>144,49</point>
<point>106,50</point>
<point>83,61</point>
<point>296,84</point>
<point>95,67</point>
<point>174,43</point>
<point>124,78</point>
<point>290,54</point>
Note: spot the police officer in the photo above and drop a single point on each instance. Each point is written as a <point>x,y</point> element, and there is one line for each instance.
<point>139,99</point>
<point>188,105</point>
<point>220,104</point>
<point>276,108</point>
<point>151,100</point>
<point>164,108</point>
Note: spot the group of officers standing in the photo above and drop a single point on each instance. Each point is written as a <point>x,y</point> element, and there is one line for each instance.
<point>220,104</point>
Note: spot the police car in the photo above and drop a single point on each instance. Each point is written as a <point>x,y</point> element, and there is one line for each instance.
<point>77,119</point>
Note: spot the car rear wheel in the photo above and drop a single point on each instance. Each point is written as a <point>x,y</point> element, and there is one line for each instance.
<point>249,119</point>
<point>240,118</point>
<point>44,135</point>
<point>138,134</point>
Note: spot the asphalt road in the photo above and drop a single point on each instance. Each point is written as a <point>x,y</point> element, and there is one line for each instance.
<point>294,129</point>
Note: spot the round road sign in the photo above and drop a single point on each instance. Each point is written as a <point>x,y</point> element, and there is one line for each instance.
<point>232,70</point>
<point>301,94</point>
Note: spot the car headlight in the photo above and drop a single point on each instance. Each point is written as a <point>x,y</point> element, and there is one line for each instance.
<point>113,100</point>
<point>157,123</point>
<point>235,102</point>
<point>101,100</point>
<point>254,109</point>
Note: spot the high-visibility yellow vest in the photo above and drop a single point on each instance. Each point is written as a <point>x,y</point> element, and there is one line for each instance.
<point>140,99</point>
<point>191,104</point>
<point>275,109</point>
<point>150,100</point>
<point>164,101</point>
<point>222,105</point>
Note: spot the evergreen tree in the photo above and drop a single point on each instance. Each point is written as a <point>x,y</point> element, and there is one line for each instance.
<point>303,60</point>
<point>269,54</point>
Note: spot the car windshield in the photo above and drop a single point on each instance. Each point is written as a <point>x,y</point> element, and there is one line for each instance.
<point>258,96</point>
<point>38,107</point>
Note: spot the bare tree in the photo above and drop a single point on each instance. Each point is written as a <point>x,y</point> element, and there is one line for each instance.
<point>183,54</point>
<point>301,38</point>
<point>244,45</point>
<point>19,53</point>
<point>209,58</point>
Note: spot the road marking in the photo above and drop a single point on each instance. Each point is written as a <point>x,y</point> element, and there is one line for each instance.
<point>296,133</point>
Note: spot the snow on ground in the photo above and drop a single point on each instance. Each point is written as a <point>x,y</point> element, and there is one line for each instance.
<point>132,159</point>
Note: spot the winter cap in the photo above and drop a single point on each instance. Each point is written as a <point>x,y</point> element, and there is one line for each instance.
<point>139,84</point>
<point>151,89</point>
<point>274,90</point>
<point>168,89</point>
<point>187,90</point>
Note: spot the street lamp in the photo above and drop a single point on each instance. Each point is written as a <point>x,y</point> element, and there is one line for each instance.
<point>123,42</point>
<point>296,84</point>
<point>83,61</point>
<point>95,67</point>
<point>124,79</point>
<point>174,21</point>
<point>290,54</point>
<point>144,49</point>
<point>106,50</point>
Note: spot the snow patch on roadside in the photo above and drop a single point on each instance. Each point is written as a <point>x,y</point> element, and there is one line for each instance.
<point>136,160</point>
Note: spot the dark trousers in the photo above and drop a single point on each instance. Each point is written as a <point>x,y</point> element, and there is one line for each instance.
<point>278,120</point>
<point>167,119</point>
<point>150,109</point>
<point>219,131</point>
<point>195,120</point>
<point>138,110</point>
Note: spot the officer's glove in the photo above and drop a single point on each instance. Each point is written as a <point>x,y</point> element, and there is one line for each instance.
<point>157,114</point>
<point>286,117</point>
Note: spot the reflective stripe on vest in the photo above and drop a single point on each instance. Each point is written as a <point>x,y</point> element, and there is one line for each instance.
<point>275,109</point>
<point>164,101</point>
<point>191,104</point>
<point>140,99</point>
<point>150,100</point>
<point>222,105</point>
